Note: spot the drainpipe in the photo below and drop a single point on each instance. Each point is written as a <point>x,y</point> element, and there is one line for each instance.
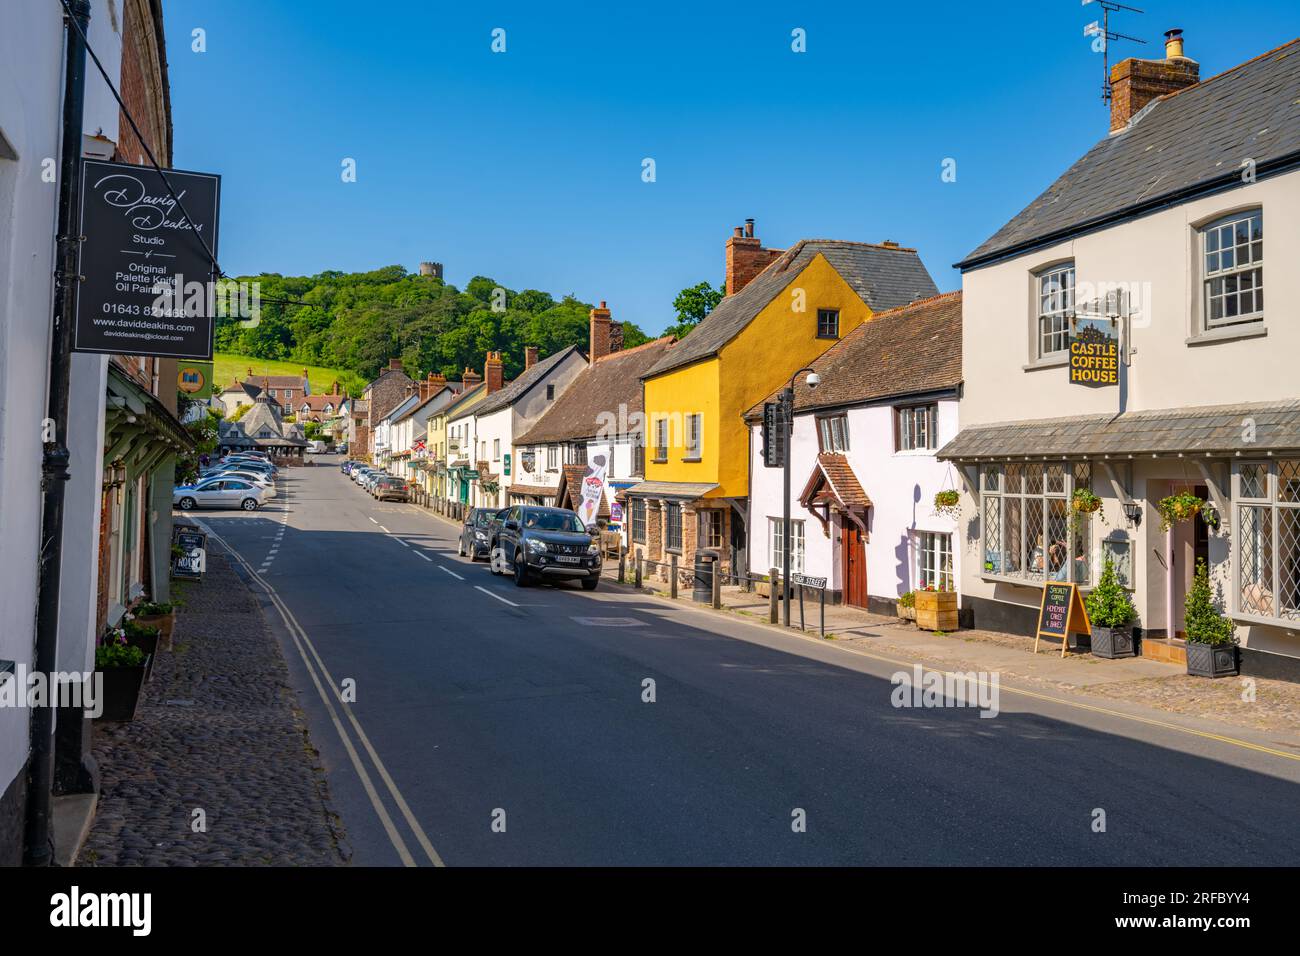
<point>54,465</point>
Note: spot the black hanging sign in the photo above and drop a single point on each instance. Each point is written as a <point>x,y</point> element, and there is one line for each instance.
<point>147,279</point>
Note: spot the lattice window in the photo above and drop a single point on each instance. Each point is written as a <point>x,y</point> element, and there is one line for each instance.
<point>1027,528</point>
<point>1267,499</point>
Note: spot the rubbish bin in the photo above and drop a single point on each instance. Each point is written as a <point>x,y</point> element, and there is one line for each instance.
<point>705,563</point>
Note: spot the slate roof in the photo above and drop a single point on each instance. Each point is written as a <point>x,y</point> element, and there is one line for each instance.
<point>1194,138</point>
<point>834,472</point>
<point>603,386</point>
<point>461,399</point>
<point>885,277</point>
<point>1210,429</point>
<point>671,489</point>
<point>536,491</point>
<point>513,391</point>
<point>261,415</point>
<point>912,350</point>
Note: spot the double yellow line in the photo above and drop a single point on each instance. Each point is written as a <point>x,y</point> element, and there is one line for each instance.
<point>317,670</point>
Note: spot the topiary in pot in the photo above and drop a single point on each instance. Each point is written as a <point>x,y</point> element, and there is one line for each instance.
<point>1111,612</point>
<point>1211,637</point>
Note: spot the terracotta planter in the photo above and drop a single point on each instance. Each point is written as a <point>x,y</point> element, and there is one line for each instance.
<point>165,623</point>
<point>936,610</point>
<point>121,691</point>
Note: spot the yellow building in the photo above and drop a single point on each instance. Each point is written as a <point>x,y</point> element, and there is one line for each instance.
<point>783,308</point>
<point>444,479</point>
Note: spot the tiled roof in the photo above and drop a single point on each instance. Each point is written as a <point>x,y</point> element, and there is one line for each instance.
<point>515,390</point>
<point>907,351</point>
<point>569,493</point>
<point>1194,139</point>
<point>1210,429</point>
<point>318,402</point>
<point>885,277</point>
<point>603,386</point>
<point>834,473</point>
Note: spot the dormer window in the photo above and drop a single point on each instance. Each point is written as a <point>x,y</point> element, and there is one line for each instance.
<point>1233,255</point>
<point>1055,309</point>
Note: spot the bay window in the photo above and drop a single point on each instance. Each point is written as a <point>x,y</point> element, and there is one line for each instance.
<point>1266,498</point>
<point>1026,522</point>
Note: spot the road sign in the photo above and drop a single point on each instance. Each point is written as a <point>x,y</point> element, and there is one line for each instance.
<point>147,280</point>
<point>808,582</point>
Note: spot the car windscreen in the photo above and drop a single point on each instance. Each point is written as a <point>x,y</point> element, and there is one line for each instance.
<point>481,518</point>
<point>552,521</point>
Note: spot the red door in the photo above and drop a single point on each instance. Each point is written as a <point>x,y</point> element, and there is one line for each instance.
<point>855,564</point>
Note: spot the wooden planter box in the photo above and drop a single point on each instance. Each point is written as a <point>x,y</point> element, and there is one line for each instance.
<point>936,610</point>
<point>1211,660</point>
<point>164,623</point>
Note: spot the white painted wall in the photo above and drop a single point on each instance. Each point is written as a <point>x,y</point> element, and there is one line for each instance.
<point>901,486</point>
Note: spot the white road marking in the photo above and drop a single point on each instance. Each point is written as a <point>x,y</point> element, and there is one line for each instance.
<point>383,529</point>
<point>451,572</point>
<point>423,555</point>
<point>372,520</point>
<point>491,595</point>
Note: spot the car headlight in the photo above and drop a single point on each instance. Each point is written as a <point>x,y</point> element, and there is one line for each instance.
<point>536,547</point>
<point>480,536</point>
<point>593,548</point>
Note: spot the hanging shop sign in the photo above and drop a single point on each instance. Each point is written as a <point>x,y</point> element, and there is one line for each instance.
<point>1061,614</point>
<point>1094,353</point>
<point>147,280</point>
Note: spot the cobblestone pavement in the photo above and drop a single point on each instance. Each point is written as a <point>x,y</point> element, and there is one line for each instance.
<point>218,730</point>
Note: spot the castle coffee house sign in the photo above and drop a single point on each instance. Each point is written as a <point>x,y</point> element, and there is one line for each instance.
<point>1094,354</point>
<point>147,277</point>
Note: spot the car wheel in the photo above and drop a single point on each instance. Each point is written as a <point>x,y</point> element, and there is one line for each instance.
<point>187,504</point>
<point>249,504</point>
<point>590,584</point>
<point>521,571</point>
<point>460,547</point>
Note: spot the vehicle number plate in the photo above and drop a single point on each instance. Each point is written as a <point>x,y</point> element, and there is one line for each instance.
<point>568,559</point>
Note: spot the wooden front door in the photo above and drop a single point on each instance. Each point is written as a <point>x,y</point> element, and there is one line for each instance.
<point>854,556</point>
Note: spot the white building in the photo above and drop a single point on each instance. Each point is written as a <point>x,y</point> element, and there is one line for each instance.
<point>1165,235</point>
<point>484,433</point>
<point>863,469</point>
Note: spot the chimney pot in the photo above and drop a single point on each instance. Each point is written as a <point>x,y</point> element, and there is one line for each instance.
<point>1135,83</point>
<point>746,258</point>
<point>1173,44</point>
<point>749,228</point>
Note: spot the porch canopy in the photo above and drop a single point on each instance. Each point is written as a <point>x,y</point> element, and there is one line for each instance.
<point>1215,431</point>
<point>833,487</point>
<point>677,490</point>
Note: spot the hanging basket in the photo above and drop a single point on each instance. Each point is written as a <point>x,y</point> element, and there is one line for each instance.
<point>1183,506</point>
<point>948,503</point>
<point>1084,502</point>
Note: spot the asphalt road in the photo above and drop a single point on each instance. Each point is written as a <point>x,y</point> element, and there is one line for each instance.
<point>500,726</point>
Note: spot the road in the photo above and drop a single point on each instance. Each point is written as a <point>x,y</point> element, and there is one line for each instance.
<point>502,726</point>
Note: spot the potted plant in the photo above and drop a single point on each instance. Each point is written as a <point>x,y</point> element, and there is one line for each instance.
<point>936,608</point>
<point>1211,637</point>
<point>1180,507</point>
<point>143,636</point>
<point>159,614</point>
<point>1111,612</point>
<point>120,667</point>
<point>948,504</point>
<point>907,606</point>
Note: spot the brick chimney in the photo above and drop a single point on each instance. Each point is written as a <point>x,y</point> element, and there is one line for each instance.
<point>1135,83</point>
<point>470,379</point>
<point>746,257</point>
<point>530,356</point>
<point>494,372</point>
<point>395,364</point>
<point>599,335</point>
<point>436,382</point>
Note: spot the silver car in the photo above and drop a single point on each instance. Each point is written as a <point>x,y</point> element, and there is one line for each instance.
<point>219,493</point>
<point>265,482</point>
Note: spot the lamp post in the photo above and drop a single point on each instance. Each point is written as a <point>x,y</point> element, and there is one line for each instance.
<point>787,436</point>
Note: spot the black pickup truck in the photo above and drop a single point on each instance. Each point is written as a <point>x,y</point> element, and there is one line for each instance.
<point>544,543</point>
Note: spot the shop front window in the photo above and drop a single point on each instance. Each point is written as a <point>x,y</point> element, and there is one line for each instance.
<point>1266,498</point>
<point>1028,533</point>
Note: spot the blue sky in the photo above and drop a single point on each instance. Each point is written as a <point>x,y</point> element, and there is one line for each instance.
<point>526,165</point>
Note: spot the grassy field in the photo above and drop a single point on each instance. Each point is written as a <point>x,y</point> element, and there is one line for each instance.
<point>229,366</point>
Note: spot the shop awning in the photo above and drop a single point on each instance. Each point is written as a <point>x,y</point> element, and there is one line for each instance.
<point>685,490</point>
<point>1213,430</point>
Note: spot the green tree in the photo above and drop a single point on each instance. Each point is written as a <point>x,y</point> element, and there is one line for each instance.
<point>692,305</point>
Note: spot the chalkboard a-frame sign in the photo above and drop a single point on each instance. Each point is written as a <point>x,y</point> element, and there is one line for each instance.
<point>1061,614</point>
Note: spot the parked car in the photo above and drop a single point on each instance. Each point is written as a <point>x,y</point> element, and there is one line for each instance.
<point>346,466</point>
<point>265,482</point>
<point>218,493</point>
<point>388,488</point>
<point>476,533</point>
<point>547,543</point>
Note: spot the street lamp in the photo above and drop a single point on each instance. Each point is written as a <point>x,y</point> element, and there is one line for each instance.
<point>787,430</point>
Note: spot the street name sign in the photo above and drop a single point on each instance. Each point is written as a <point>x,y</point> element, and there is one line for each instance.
<point>147,280</point>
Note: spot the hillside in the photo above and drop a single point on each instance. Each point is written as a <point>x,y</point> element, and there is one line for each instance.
<point>355,322</point>
<point>229,366</point>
